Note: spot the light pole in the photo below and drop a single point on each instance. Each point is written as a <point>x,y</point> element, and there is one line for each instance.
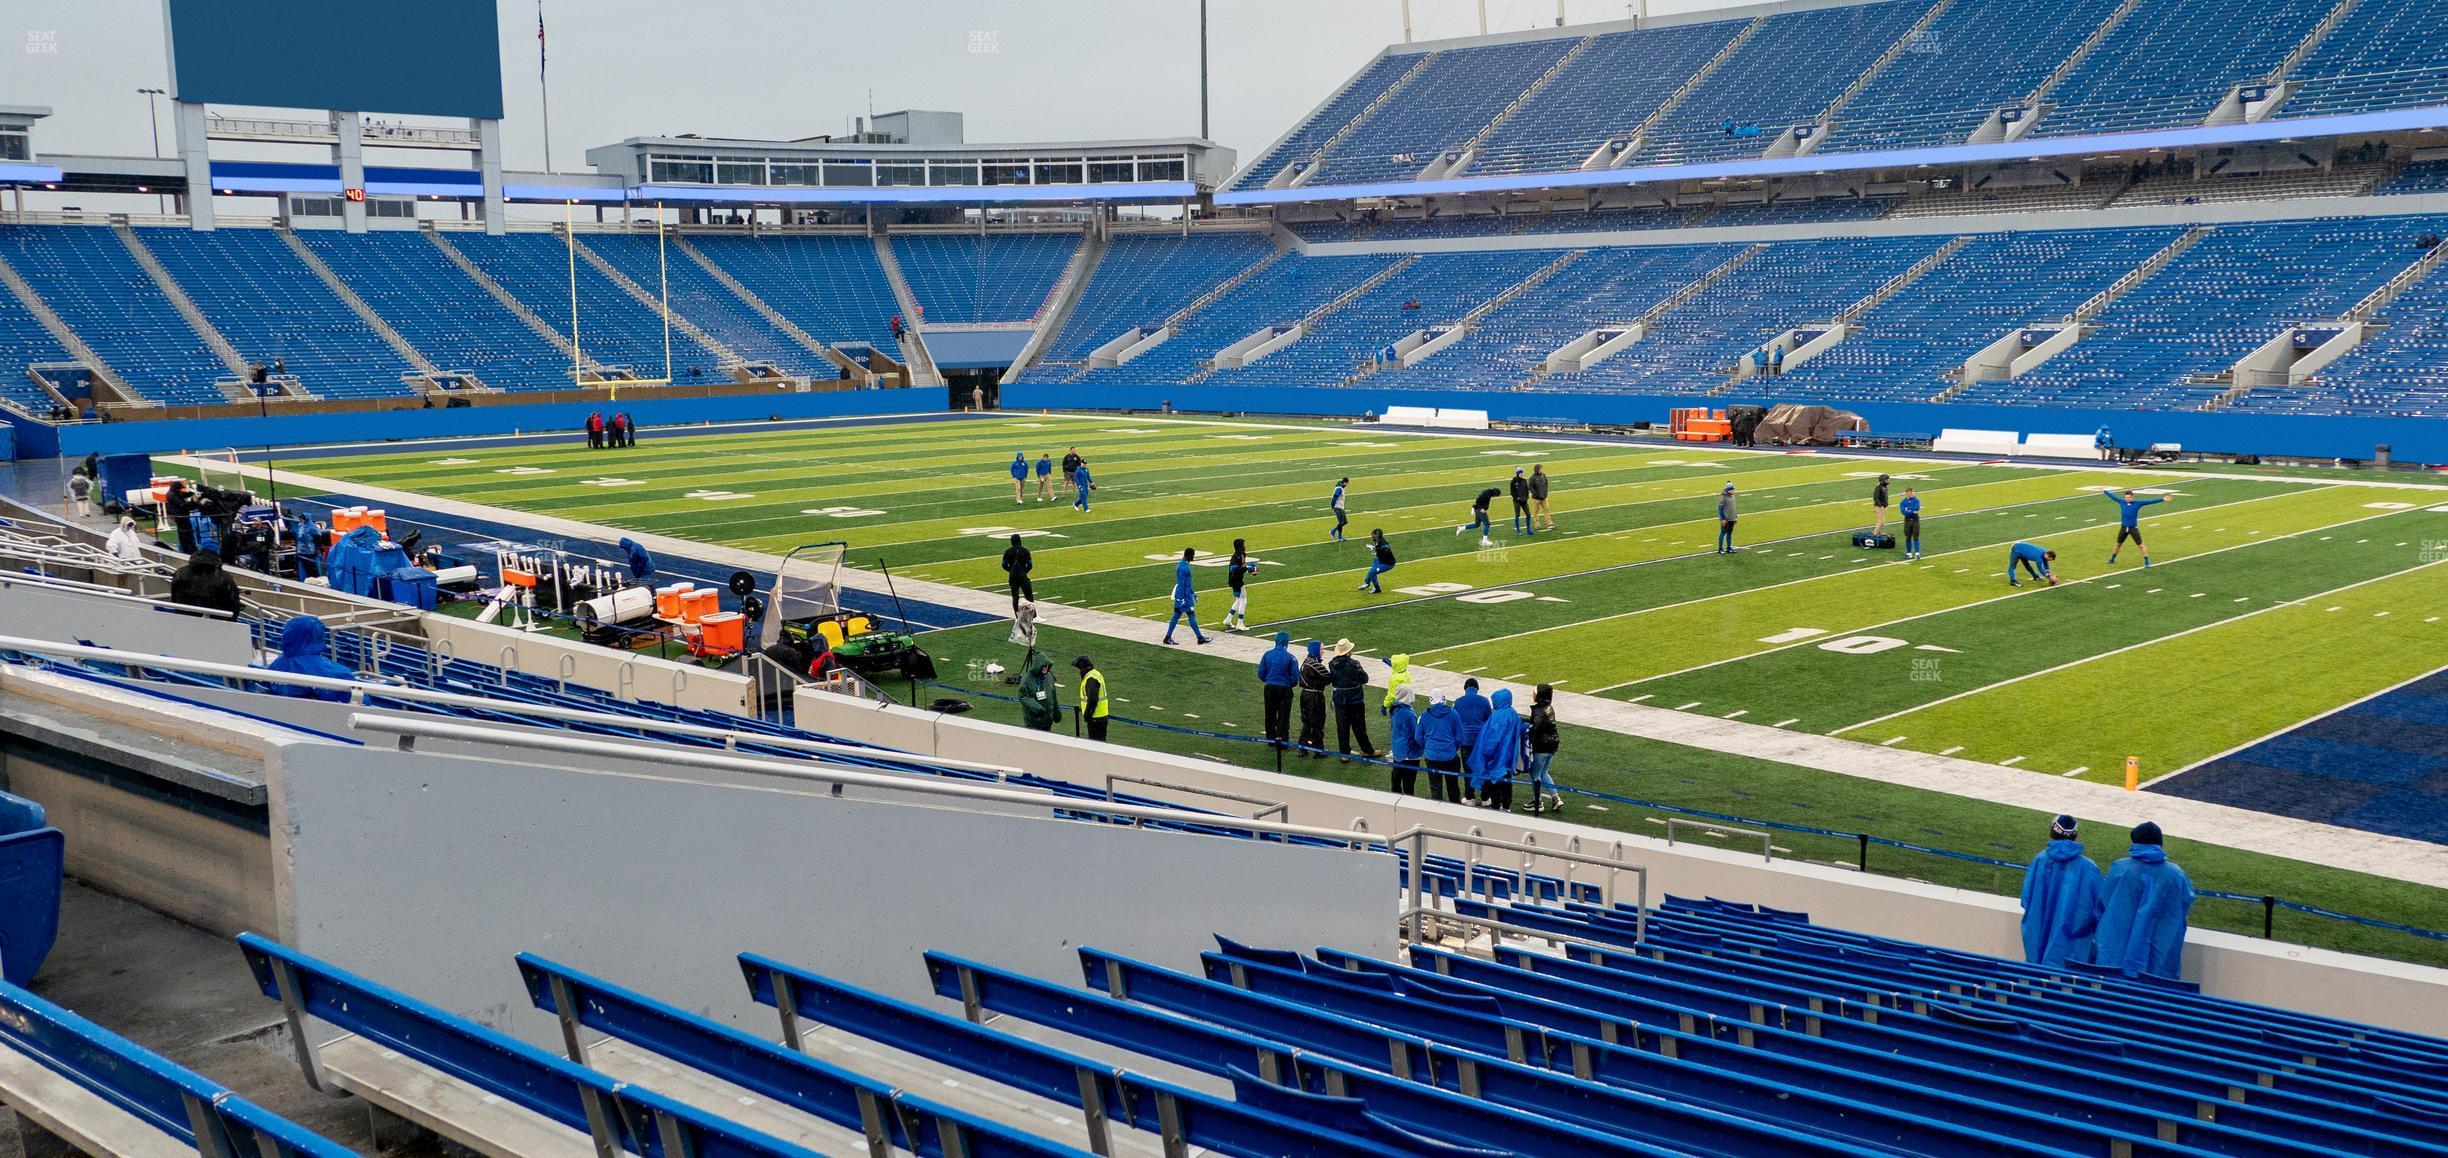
<point>153,119</point>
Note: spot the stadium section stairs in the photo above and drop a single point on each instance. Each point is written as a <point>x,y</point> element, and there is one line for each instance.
<point>1666,108</point>
<point>1971,373</point>
<point>1461,159</point>
<point>1173,322</point>
<point>67,337</point>
<point>1060,301</point>
<point>187,309</point>
<point>1799,349</point>
<point>1836,107</point>
<point>913,350</point>
<point>724,356</point>
<point>357,305</point>
<point>1301,169</point>
<point>763,308</point>
<point>2035,105</point>
<point>508,300</point>
<point>1246,351</point>
<point>1637,328</point>
<point>1428,344</point>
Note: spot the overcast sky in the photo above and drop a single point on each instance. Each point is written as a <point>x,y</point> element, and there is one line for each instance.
<point>1058,69</point>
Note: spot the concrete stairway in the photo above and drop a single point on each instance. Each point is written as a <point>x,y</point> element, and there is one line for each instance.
<point>68,338</point>
<point>357,305</point>
<point>508,300</point>
<point>212,336</point>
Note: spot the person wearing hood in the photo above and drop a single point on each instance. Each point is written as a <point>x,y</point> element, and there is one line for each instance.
<point>1313,681</point>
<point>202,583</point>
<point>1406,744</point>
<point>1236,576</point>
<point>1726,514</point>
<point>1350,683</point>
<point>1542,740</point>
<point>126,542</point>
<point>1278,675</point>
<point>641,564</point>
<point>1398,680</point>
<point>1040,708</point>
<point>595,431</point>
<point>1185,599</point>
<point>2062,891</point>
<point>2142,921</point>
<point>1497,755</point>
<point>1335,503</point>
<point>1878,506</point>
<point>305,649</point>
<point>1019,473</point>
<point>1471,712</point>
<point>1440,749</point>
<point>1017,563</point>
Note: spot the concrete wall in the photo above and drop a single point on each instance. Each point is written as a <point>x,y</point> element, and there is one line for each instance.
<point>646,677</point>
<point>429,872</point>
<point>62,616</point>
<point>2336,984</point>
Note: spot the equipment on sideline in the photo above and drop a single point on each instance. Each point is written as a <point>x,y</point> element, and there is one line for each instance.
<point>1870,542</point>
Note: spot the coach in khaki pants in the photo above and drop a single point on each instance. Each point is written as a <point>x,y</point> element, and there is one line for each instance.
<point>1539,518</point>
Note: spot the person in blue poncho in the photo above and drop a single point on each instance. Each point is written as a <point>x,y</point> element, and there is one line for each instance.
<point>1471,712</point>
<point>2142,922</point>
<point>1498,754</point>
<point>1440,736</point>
<point>1019,473</point>
<point>641,564</point>
<point>305,649</point>
<point>1185,599</point>
<point>1408,746</point>
<point>2062,890</point>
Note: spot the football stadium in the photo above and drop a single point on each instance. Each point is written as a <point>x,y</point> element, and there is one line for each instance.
<point>1821,577</point>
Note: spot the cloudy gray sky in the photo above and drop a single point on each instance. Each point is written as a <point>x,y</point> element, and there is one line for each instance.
<point>1060,69</point>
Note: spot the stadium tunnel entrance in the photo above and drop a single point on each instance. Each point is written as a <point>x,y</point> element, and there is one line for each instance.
<point>975,360</point>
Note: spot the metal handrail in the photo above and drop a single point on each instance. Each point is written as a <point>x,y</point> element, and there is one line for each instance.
<point>1767,842</point>
<point>411,728</point>
<point>1274,807</point>
<point>361,688</point>
<point>1416,910</point>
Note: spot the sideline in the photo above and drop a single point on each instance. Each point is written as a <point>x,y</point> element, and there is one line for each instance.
<point>2354,850</point>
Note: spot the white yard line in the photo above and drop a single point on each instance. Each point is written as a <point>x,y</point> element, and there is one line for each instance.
<point>2152,642</point>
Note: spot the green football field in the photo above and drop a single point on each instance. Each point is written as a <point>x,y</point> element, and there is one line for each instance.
<point>2302,595</point>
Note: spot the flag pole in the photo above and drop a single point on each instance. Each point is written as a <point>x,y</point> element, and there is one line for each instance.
<point>544,86</point>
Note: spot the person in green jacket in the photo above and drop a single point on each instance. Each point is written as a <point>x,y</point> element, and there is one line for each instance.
<point>1040,707</point>
<point>1398,681</point>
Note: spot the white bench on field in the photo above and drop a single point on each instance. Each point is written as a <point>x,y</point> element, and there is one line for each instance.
<point>1989,443</point>
<point>2059,446</point>
<point>1435,418</point>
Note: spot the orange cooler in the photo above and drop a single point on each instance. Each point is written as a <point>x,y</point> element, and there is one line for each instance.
<point>725,631</point>
<point>695,605</point>
<point>374,518</point>
<point>667,599</point>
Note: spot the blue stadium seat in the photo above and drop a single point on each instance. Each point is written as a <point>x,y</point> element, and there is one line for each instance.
<point>830,285</point>
<point>613,327</point>
<point>965,277</point>
<point>91,280</point>
<point>406,279</point>
<point>263,298</point>
<point>1142,279</point>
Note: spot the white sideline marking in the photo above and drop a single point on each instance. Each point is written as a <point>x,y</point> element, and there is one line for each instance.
<point>1639,698</point>
<point>2112,587</point>
<point>1891,741</point>
<point>1190,715</point>
<point>2154,591</point>
<point>1473,670</point>
<point>2076,771</point>
<point>1689,706</point>
<point>1514,676</point>
<point>1952,751</point>
<point>2197,595</point>
<point>2011,761</point>
<point>1738,713</point>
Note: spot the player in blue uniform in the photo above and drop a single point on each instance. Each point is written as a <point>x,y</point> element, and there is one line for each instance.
<point>2129,524</point>
<point>1911,510</point>
<point>2034,559</point>
<point>1185,597</point>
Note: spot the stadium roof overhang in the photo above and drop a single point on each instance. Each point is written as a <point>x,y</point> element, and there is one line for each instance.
<point>1999,152</point>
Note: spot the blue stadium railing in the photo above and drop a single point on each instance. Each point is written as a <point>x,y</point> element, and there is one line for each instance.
<point>178,1102</point>
<point>619,1115</point>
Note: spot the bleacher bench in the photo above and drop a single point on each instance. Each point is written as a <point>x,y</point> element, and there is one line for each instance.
<point>1987,443</point>
<point>2059,446</point>
<point>1435,418</point>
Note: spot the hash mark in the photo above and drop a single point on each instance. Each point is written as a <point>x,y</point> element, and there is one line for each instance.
<point>1689,706</point>
<point>2011,761</point>
<point>1891,741</point>
<point>1952,751</point>
<point>1782,723</point>
<point>1738,712</point>
<point>1639,698</point>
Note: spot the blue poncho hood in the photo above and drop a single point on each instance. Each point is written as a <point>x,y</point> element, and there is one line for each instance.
<point>1500,741</point>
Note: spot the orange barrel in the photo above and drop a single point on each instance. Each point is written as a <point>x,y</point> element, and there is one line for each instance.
<point>725,631</point>
<point>696,605</point>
